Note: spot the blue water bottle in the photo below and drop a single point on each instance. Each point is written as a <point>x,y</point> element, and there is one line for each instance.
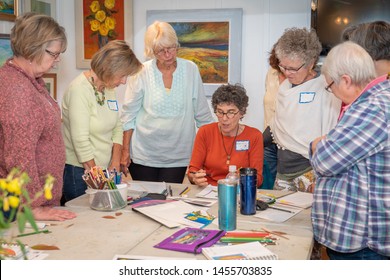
<point>248,180</point>
<point>227,205</point>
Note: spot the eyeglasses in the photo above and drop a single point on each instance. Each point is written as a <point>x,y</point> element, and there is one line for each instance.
<point>163,51</point>
<point>229,114</point>
<point>52,54</point>
<point>328,87</point>
<point>291,70</point>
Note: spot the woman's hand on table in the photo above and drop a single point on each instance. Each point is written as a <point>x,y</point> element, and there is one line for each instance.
<point>52,214</point>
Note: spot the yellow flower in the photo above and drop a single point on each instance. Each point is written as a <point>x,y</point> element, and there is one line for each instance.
<point>100,15</point>
<point>13,201</point>
<point>103,30</point>
<point>14,186</point>
<point>110,23</point>
<point>48,194</point>
<point>3,184</point>
<point>5,204</point>
<point>109,4</point>
<point>48,187</point>
<point>95,25</point>
<point>95,6</point>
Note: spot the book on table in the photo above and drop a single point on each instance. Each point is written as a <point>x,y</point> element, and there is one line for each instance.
<point>191,240</point>
<point>242,251</point>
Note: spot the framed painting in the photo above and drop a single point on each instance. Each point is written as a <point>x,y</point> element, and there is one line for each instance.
<point>8,10</point>
<point>5,48</point>
<point>51,84</point>
<point>99,21</point>
<point>210,38</point>
<point>46,7</point>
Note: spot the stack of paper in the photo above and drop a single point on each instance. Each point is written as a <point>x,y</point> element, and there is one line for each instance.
<point>210,192</point>
<point>171,213</point>
<point>297,199</point>
<point>244,251</point>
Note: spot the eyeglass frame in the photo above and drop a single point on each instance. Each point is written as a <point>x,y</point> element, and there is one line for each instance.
<point>220,114</point>
<point>291,70</point>
<point>328,87</point>
<point>52,54</point>
<point>163,51</point>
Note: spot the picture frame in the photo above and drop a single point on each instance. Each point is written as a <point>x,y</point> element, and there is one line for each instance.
<point>206,18</point>
<point>46,7</point>
<point>10,12</point>
<point>51,84</point>
<point>5,48</point>
<point>87,41</point>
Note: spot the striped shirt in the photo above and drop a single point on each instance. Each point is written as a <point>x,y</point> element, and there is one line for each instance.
<point>351,208</point>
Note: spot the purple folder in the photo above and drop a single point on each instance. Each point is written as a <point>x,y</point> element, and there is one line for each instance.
<point>191,240</point>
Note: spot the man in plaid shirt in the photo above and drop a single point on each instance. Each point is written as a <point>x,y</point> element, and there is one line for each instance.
<point>351,209</point>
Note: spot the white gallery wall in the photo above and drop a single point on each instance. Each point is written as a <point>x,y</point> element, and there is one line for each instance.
<point>263,23</point>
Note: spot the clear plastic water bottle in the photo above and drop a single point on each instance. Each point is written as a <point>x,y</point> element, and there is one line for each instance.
<point>233,176</point>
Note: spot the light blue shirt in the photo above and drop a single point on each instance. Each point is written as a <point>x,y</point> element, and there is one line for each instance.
<point>164,121</point>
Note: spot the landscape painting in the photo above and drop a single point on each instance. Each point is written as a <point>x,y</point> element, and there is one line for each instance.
<point>206,44</point>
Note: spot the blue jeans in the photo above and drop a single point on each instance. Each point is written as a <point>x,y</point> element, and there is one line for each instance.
<point>364,254</point>
<point>271,157</point>
<point>74,185</point>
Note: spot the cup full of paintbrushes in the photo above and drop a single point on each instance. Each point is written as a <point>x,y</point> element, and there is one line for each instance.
<point>104,194</point>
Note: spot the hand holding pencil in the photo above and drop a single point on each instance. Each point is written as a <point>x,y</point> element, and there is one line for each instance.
<point>198,177</point>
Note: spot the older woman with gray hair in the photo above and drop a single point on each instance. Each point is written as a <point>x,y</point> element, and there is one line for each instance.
<point>304,109</point>
<point>226,142</point>
<point>163,105</point>
<point>352,194</point>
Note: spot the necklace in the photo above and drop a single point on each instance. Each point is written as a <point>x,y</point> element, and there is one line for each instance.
<point>99,101</point>
<point>228,155</point>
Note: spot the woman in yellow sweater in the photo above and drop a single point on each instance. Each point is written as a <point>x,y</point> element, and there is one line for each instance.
<point>92,129</point>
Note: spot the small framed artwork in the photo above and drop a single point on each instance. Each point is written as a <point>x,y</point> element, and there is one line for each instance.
<point>5,48</point>
<point>8,10</point>
<point>46,7</point>
<point>51,84</point>
<point>210,38</point>
<point>99,21</point>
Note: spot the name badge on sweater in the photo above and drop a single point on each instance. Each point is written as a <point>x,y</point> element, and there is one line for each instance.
<point>306,97</point>
<point>242,145</point>
<point>112,105</point>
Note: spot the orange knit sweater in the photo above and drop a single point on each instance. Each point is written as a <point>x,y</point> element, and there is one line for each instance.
<point>209,153</point>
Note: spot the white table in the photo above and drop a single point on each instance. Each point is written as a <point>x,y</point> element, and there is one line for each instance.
<point>91,236</point>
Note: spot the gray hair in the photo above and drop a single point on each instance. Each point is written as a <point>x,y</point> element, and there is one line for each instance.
<point>159,35</point>
<point>350,59</point>
<point>231,94</point>
<point>299,43</point>
<point>374,37</point>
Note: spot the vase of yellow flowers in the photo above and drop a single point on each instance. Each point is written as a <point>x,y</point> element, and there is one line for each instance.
<point>15,204</point>
<point>101,20</point>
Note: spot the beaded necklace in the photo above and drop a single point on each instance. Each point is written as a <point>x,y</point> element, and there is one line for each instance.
<point>228,155</point>
<point>98,100</point>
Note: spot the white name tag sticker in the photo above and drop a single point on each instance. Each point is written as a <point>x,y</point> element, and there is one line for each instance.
<point>112,105</point>
<point>242,145</point>
<point>306,97</point>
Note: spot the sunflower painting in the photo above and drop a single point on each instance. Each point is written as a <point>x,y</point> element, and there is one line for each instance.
<point>103,21</point>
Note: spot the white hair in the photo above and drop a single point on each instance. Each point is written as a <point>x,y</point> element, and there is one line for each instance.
<point>350,59</point>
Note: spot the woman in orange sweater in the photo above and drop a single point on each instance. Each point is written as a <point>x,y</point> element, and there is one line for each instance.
<point>226,142</point>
